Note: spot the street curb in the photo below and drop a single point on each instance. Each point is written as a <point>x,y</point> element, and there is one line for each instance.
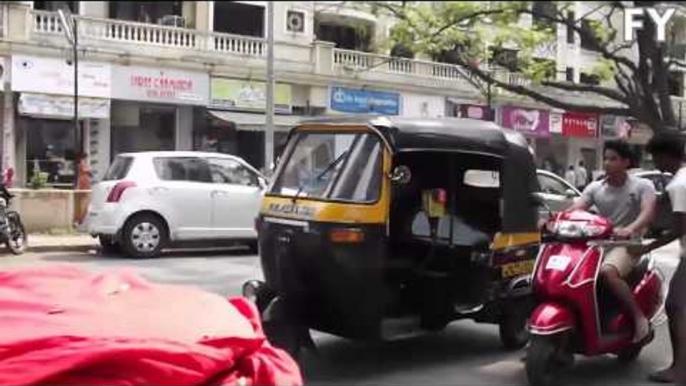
<point>60,248</point>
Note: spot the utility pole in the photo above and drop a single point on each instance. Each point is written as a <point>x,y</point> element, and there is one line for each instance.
<point>269,127</point>
<point>71,32</point>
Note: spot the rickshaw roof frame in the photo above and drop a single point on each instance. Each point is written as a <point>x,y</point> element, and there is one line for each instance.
<point>458,135</point>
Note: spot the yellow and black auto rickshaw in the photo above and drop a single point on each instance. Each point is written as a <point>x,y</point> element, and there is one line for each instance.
<point>384,227</point>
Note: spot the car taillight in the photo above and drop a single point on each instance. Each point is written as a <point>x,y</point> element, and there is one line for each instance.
<point>118,190</point>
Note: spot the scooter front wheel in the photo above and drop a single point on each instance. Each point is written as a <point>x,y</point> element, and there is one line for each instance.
<point>543,360</point>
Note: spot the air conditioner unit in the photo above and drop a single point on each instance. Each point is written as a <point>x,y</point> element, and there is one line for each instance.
<point>295,21</point>
<point>173,21</point>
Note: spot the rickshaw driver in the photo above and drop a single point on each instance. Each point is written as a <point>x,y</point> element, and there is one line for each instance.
<point>629,202</point>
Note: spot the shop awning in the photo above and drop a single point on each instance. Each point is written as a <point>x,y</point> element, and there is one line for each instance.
<point>256,122</point>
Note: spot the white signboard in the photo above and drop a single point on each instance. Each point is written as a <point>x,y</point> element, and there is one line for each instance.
<point>556,123</point>
<point>156,85</point>
<point>62,107</point>
<point>54,76</point>
<point>422,106</point>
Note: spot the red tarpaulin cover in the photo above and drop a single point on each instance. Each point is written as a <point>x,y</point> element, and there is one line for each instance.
<point>62,325</point>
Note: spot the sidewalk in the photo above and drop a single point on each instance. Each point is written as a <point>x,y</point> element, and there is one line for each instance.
<point>63,243</point>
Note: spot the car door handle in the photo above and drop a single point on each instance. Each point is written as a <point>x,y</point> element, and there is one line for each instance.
<point>159,189</point>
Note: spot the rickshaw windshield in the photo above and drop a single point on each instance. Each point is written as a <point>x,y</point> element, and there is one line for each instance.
<point>335,166</point>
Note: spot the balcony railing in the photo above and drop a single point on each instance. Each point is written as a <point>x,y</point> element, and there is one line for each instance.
<point>150,34</point>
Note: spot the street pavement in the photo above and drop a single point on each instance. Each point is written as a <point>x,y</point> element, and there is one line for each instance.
<point>465,354</point>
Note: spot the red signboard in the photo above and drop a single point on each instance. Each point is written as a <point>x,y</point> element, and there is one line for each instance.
<point>580,125</point>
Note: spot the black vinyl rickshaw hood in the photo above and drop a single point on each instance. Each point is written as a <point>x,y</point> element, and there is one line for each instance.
<point>462,135</point>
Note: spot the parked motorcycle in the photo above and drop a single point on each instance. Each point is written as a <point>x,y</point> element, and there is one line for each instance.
<point>12,231</point>
<point>576,314</point>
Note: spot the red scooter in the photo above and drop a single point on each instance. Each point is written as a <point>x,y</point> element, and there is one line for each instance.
<point>576,315</point>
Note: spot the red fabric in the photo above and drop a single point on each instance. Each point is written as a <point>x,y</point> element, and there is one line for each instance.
<point>61,325</point>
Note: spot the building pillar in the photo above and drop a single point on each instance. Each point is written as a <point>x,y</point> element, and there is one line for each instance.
<point>9,159</point>
<point>184,128</point>
<point>99,144</point>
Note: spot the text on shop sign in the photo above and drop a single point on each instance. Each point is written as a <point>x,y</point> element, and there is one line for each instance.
<point>161,87</point>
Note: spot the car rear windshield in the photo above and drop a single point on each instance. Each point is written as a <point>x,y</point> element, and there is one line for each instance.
<point>119,169</point>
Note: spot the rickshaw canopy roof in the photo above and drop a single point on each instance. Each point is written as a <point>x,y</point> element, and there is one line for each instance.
<point>434,134</point>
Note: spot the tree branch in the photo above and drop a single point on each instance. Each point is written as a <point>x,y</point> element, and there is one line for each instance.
<point>554,102</point>
<point>604,91</point>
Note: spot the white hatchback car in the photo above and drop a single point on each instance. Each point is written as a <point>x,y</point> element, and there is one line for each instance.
<point>148,200</point>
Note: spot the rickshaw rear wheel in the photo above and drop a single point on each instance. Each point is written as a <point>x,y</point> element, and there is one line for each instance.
<point>285,337</point>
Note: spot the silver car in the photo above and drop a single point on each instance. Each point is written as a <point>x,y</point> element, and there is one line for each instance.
<point>559,194</point>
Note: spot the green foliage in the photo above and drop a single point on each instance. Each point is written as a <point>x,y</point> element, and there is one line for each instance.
<point>438,27</point>
<point>39,180</point>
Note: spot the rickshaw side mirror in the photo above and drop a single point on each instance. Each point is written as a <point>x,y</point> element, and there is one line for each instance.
<point>569,193</point>
<point>401,175</point>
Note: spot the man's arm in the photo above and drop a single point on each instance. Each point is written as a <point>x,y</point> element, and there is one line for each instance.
<point>647,213</point>
<point>678,230</point>
<point>584,202</point>
<point>677,194</point>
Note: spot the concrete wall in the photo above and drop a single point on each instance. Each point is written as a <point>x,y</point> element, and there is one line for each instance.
<point>45,210</point>
<point>98,9</point>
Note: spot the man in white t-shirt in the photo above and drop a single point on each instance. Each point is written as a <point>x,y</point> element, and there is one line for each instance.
<point>570,176</point>
<point>668,153</point>
<point>581,176</point>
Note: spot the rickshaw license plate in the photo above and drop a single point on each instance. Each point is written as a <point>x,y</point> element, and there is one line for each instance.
<point>518,268</point>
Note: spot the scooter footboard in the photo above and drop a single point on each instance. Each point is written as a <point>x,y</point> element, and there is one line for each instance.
<point>550,319</point>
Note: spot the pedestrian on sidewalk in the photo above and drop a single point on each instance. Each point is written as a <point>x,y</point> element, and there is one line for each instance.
<point>581,176</point>
<point>570,176</point>
<point>668,153</point>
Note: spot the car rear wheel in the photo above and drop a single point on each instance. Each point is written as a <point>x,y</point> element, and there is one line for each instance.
<point>144,236</point>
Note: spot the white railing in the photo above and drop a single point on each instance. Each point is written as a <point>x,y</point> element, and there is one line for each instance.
<point>364,61</point>
<point>94,29</point>
<point>151,34</point>
<point>46,22</point>
<point>138,33</point>
<point>235,44</point>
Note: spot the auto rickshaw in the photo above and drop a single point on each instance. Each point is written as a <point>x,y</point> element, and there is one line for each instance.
<point>379,228</point>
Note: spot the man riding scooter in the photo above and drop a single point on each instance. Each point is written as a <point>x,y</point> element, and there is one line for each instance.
<point>629,202</point>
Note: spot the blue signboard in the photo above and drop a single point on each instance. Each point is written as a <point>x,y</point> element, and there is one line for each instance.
<point>349,100</point>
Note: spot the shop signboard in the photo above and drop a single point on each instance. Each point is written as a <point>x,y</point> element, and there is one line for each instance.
<point>475,112</point>
<point>147,84</point>
<point>555,123</point>
<point>615,127</point>
<point>349,100</point>
<point>62,107</point>
<point>248,95</point>
<point>531,122</point>
<point>582,125</point>
<point>55,76</point>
